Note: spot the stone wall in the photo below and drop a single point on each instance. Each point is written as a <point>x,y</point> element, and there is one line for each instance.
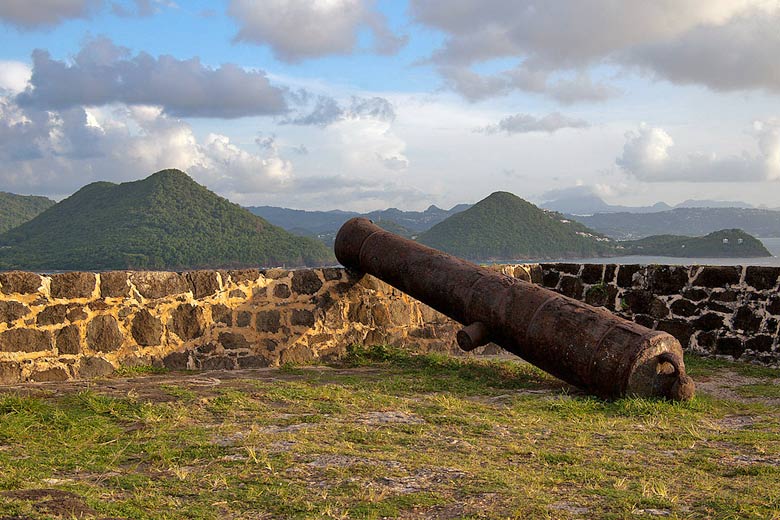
<point>83,325</point>
<point>731,311</point>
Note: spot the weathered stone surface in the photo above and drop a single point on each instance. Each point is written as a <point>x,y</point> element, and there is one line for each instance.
<point>54,374</point>
<point>761,343</point>
<point>715,306</point>
<point>730,346</point>
<point>282,290</point>
<point>93,366</point>
<point>718,276</point>
<point>243,318</point>
<point>103,334</point>
<point>645,320</point>
<point>597,295</point>
<point>222,314</point>
<point>153,284</point>
<point>253,362</point>
<point>19,282</point>
<point>330,274</point>
<point>773,306</point>
<point>747,320</point>
<point>68,340</point>
<point>709,321</point>
<point>592,273</point>
<point>306,281</point>
<point>203,283</point>
<point>233,340</point>
<point>707,339</point>
<point>609,273</point>
<point>259,293</point>
<point>275,273</point>
<point>296,355</point>
<point>566,268</point>
<point>76,313</point>
<point>625,276</point>
<point>268,321</point>
<point>98,305</point>
<point>113,284</point>
<point>177,360</point>
<point>244,275</point>
<point>146,329</point>
<point>667,279</point>
<point>644,302</point>
<point>10,311</point>
<point>10,373</point>
<point>679,329</point>
<point>695,295</point>
<point>762,278</point>
<point>727,296</point>
<point>571,286</point>
<point>218,363</point>
<point>25,340</point>
<point>187,321</point>
<point>302,317</point>
<point>73,285</point>
<point>52,315</point>
<point>550,278</point>
<point>683,308</point>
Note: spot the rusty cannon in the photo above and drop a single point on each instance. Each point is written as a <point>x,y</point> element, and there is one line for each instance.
<point>585,346</point>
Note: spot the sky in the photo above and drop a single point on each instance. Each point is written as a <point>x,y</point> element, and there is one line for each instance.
<point>363,105</point>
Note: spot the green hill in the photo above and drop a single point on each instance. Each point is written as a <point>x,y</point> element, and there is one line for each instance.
<point>506,227</point>
<point>727,243</point>
<point>166,221</point>
<point>18,209</point>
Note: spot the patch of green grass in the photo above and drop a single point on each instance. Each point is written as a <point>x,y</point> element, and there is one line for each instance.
<point>390,434</point>
<point>696,365</point>
<point>760,390</point>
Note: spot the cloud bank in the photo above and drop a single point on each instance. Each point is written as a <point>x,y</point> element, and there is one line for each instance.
<point>526,123</point>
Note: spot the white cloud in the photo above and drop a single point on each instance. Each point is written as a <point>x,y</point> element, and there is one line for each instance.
<point>14,76</point>
<point>649,155</point>
<point>526,123</point>
<point>27,14</point>
<point>300,29</point>
<point>103,73</point>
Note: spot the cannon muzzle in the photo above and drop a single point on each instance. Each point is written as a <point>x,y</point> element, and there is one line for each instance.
<point>585,346</point>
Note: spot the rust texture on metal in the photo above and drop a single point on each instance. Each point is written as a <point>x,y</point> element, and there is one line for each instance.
<point>586,346</point>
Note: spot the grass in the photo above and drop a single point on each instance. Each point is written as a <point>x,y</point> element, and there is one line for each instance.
<point>387,435</point>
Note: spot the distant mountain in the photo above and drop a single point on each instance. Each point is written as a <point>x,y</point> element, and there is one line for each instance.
<point>691,203</point>
<point>18,209</point>
<point>325,224</point>
<point>166,221</point>
<point>727,243</point>
<point>685,221</point>
<point>505,227</point>
<point>588,204</point>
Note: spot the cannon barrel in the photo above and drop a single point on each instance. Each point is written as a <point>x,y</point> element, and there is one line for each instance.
<point>585,346</point>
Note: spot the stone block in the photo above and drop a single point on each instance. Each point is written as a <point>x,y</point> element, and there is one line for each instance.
<point>68,340</point>
<point>727,296</point>
<point>19,282</point>
<point>282,291</point>
<point>695,295</point>
<point>306,281</point>
<point>625,276</point>
<point>73,285</point>
<point>253,362</point>
<point>296,355</point>
<point>114,284</point>
<point>598,295</point>
<point>242,276</point>
<point>762,278</point>
<point>302,317</point>
<point>718,276</point>
<point>233,341</point>
<point>730,346</point>
<point>680,329</point>
<point>566,268</point>
<point>707,339</point>
<point>91,367</point>
<point>773,306</point>
<point>10,311</point>
<point>609,273</point>
<point>550,278</point>
<point>243,318</point>
<point>52,315</point>
<point>746,320</point>
<point>218,363</point>
<point>54,374</point>
<point>645,320</point>
<point>644,302</point>
<point>592,273</point>
<point>10,373</point>
<point>709,321</point>
<point>760,343</point>
<point>683,308</point>
<point>158,284</point>
<point>146,329</point>
<point>25,340</point>
<point>76,313</point>
<point>177,360</point>
<point>187,321</point>
<point>103,334</point>
<point>222,314</point>
<point>203,283</point>
<point>268,321</point>
<point>331,273</point>
<point>667,279</point>
<point>716,307</point>
<point>571,286</point>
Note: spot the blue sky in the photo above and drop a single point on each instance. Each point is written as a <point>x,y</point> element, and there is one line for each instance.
<point>358,104</point>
